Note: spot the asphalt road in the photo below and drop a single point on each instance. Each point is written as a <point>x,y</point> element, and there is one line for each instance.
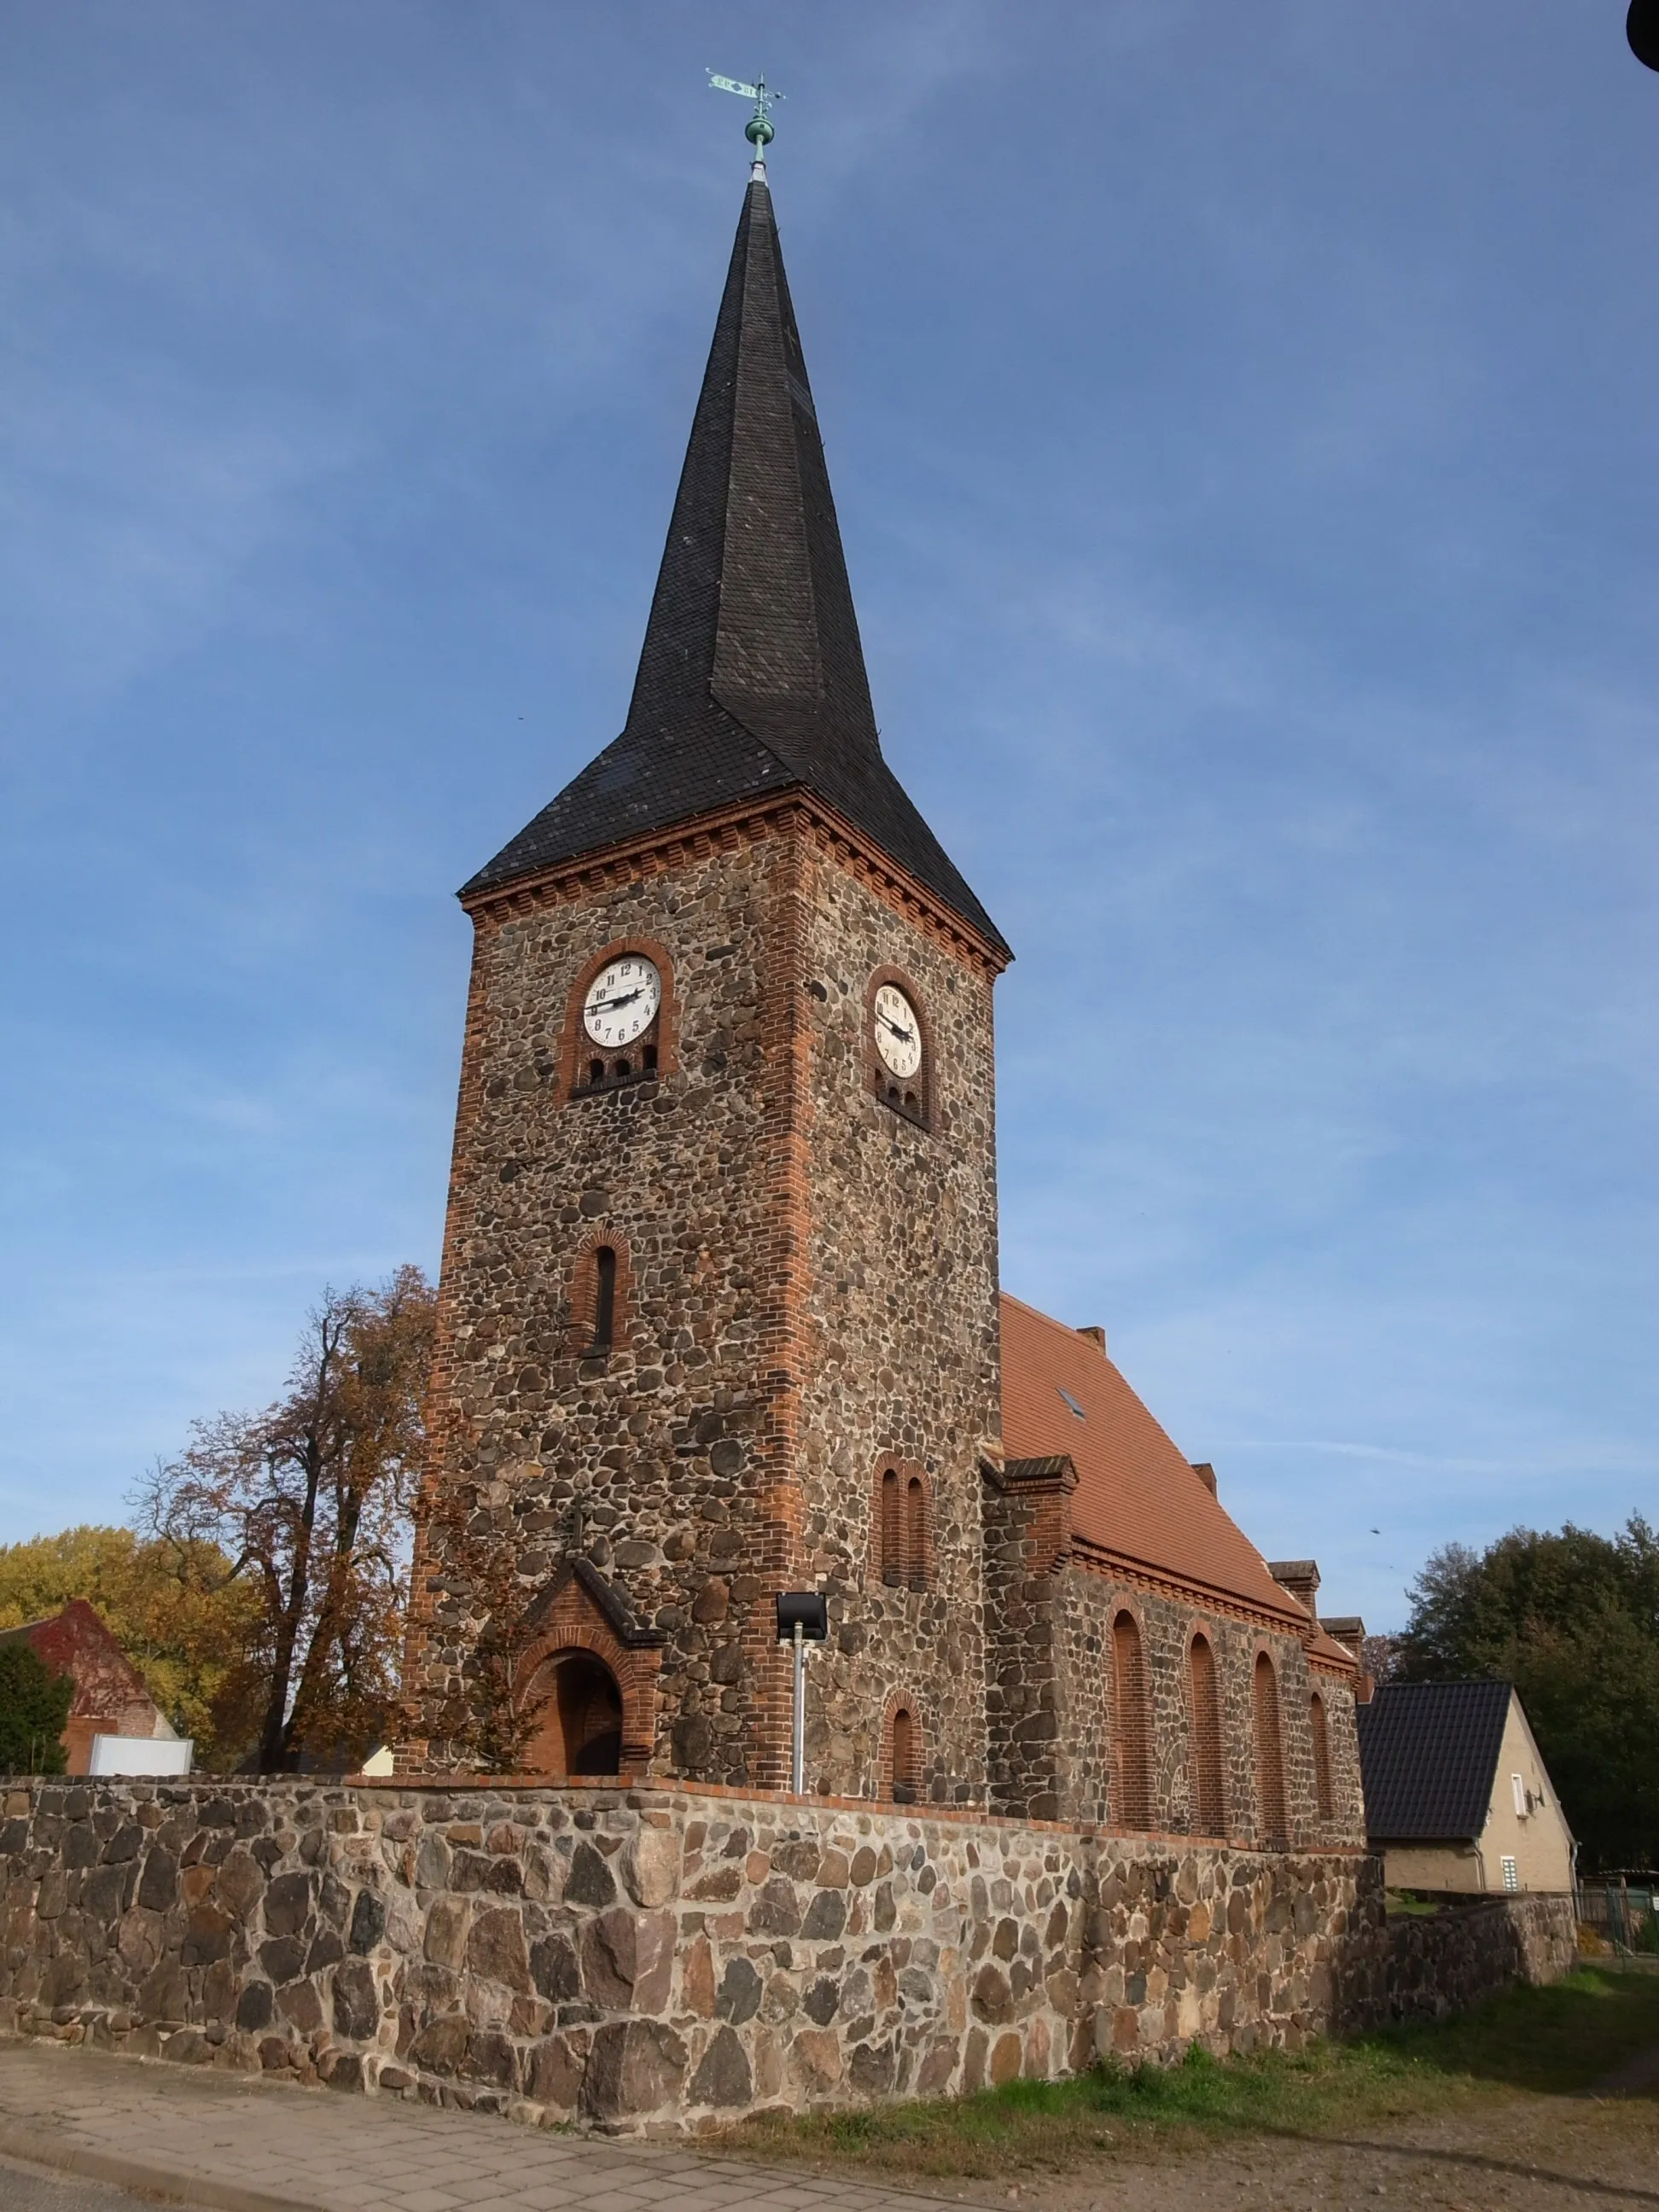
<point>32,2188</point>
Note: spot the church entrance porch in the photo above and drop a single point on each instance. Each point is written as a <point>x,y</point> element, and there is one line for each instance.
<point>580,1729</point>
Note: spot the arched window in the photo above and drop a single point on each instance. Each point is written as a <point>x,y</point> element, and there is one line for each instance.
<point>601,1295</point>
<point>1321,1755</point>
<point>892,1527</point>
<point>605,1303</point>
<point>1269,1758</point>
<point>1131,1728</point>
<point>916,1533</point>
<point>581,1718</point>
<point>1209,1803</point>
<point>902,1761</point>
<point>902,1529</point>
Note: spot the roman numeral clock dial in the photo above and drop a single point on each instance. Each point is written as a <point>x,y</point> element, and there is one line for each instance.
<point>621,1000</point>
<point>898,1032</point>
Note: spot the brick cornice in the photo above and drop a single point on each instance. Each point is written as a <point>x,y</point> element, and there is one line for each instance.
<point>1100,1560</point>
<point>726,829</point>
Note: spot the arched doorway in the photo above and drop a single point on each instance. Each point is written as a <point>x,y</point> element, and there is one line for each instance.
<point>581,1726</point>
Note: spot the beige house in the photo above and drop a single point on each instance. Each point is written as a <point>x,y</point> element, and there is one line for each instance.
<point>1457,1798</point>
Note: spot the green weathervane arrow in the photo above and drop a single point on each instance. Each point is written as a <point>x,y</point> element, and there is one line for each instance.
<point>758,130</point>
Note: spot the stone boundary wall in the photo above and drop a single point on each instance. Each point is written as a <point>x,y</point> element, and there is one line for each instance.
<point>1422,1966</point>
<point>630,1958</point>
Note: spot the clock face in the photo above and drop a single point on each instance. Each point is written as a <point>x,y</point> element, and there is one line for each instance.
<point>621,1000</point>
<point>898,1033</point>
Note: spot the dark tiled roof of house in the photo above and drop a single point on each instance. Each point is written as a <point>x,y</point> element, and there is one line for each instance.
<point>1428,1754</point>
<point>751,678</point>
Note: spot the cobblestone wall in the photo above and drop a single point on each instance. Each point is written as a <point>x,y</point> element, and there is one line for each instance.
<point>1050,1701</point>
<point>1421,1967</point>
<point>649,1959</point>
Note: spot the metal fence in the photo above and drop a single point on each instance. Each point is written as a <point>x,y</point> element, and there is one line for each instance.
<point>1622,1908</point>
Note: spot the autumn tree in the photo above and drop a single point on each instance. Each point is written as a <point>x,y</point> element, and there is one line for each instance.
<point>173,1609</point>
<point>1572,1619</point>
<point>310,1503</point>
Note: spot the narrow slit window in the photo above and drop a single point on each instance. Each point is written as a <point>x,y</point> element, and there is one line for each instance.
<point>604,1299</point>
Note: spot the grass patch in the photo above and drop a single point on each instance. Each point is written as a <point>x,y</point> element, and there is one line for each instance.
<point>1551,2041</point>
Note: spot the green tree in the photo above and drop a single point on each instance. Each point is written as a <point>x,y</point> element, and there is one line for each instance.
<point>184,1626</point>
<point>33,1712</point>
<point>1572,1619</point>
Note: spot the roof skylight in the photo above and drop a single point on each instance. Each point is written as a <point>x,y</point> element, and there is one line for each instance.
<point>1072,1403</point>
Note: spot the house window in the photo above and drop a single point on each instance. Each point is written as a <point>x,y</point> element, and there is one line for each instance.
<point>1518,1791</point>
<point>1269,1758</point>
<point>1209,1811</point>
<point>1321,1755</point>
<point>1131,1728</point>
<point>1512,1875</point>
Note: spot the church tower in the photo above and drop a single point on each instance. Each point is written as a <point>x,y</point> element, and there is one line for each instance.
<point>719,1300</point>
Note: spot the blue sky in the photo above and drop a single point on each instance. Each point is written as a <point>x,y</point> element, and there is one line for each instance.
<point>1242,422</point>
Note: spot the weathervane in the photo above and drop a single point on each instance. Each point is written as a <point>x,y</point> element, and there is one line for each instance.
<point>758,130</point>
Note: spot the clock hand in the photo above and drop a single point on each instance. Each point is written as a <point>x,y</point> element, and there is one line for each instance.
<point>897,1031</point>
<point>597,1006</point>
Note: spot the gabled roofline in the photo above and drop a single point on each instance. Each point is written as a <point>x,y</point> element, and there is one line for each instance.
<point>574,877</point>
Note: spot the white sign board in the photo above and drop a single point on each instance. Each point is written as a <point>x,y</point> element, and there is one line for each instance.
<point>141,1754</point>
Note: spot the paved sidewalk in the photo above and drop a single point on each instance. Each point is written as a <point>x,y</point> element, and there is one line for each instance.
<point>240,2144</point>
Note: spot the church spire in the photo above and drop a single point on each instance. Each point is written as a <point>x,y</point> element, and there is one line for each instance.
<point>751,675</point>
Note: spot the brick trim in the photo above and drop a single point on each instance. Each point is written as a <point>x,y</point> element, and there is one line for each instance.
<point>1319,1726</point>
<point>575,1047</point>
<point>880,1079</point>
<point>575,1622</point>
<point>1267,1729</point>
<point>1132,1780</point>
<point>901,1547</point>
<point>892,1779</point>
<point>585,1294</point>
<point>1206,1760</point>
<point>727,829</point>
<point>1100,1560</point>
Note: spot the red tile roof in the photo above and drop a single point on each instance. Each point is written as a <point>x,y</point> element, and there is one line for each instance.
<point>1137,1496</point>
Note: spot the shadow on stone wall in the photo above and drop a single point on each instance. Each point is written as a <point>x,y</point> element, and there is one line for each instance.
<point>624,1957</point>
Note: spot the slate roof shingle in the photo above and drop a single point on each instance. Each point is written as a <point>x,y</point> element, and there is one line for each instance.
<point>751,678</point>
<point>1428,1757</point>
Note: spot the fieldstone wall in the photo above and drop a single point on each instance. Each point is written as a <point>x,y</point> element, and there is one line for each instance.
<point>902,1336</point>
<point>1423,1966</point>
<point>1050,1695</point>
<point>630,1958</point>
<point>805,1281</point>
